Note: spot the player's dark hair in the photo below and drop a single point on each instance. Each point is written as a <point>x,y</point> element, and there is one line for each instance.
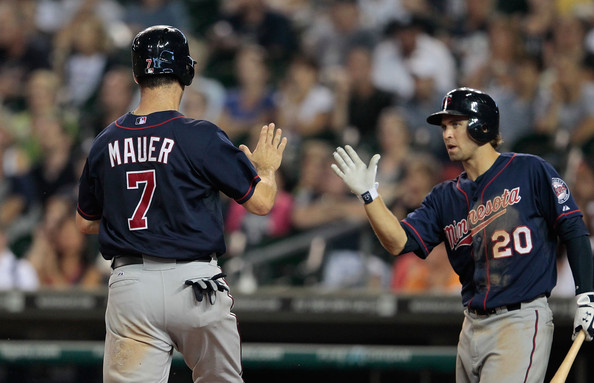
<point>497,141</point>
<point>152,82</point>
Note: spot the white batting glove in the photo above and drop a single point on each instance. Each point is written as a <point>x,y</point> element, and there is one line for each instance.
<point>359,177</point>
<point>584,315</point>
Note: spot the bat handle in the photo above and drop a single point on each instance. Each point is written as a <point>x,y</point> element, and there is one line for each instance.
<point>563,370</point>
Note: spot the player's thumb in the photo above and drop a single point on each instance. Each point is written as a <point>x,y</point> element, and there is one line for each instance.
<point>373,162</point>
<point>246,150</point>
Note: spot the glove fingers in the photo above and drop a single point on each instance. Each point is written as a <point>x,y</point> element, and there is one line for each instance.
<point>354,156</point>
<point>346,158</point>
<point>337,171</point>
<point>340,161</point>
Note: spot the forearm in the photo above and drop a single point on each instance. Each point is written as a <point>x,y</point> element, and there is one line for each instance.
<point>262,201</point>
<point>579,255</point>
<point>86,226</point>
<point>386,226</point>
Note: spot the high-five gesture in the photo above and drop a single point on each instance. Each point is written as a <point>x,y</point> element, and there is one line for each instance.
<point>266,158</point>
<point>360,178</point>
<point>268,154</point>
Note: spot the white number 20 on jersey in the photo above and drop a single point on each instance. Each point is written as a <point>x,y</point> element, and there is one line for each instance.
<point>521,241</point>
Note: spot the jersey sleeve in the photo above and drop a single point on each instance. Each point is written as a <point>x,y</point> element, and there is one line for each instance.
<point>422,227</point>
<point>229,169</point>
<point>557,204</point>
<point>88,206</point>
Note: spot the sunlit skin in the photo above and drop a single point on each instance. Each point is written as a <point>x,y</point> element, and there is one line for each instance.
<point>475,158</point>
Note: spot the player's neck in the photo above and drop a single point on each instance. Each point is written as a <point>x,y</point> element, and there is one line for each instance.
<point>158,99</point>
<point>484,157</point>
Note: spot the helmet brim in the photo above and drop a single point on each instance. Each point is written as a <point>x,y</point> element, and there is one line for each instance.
<point>435,118</point>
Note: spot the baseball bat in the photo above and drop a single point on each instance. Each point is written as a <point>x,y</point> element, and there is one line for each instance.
<point>565,366</point>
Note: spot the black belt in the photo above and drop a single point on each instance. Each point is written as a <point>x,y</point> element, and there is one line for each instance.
<point>125,260</point>
<point>512,307</point>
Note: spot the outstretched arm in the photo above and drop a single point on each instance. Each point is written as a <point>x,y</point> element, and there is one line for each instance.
<point>266,158</point>
<point>360,178</point>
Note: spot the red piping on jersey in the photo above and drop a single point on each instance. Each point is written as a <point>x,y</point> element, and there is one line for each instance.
<point>418,236</point>
<point>533,346</point>
<point>485,242</point>
<point>249,190</point>
<point>146,127</point>
<point>85,213</point>
<point>463,192</point>
<point>468,208</point>
<point>564,214</point>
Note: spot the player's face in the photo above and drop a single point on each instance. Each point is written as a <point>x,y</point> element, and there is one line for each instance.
<point>458,143</point>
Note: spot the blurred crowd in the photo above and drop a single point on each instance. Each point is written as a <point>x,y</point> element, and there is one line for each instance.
<point>328,72</point>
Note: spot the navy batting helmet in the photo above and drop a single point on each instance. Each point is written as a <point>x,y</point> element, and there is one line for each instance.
<point>479,107</point>
<point>162,49</point>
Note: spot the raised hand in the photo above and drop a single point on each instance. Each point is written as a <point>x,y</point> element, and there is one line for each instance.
<point>268,154</point>
<point>360,178</point>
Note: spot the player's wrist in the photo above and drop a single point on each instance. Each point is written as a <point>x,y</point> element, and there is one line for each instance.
<point>585,298</point>
<point>369,195</point>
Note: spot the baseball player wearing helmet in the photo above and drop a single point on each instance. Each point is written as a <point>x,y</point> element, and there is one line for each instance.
<point>150,189</point>
<point>500,220</point>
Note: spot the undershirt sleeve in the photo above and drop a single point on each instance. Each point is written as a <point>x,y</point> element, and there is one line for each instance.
<point>579,255</point>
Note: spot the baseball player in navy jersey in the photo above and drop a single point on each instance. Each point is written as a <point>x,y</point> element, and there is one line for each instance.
<point>500,220</point>
<point>150,189</point>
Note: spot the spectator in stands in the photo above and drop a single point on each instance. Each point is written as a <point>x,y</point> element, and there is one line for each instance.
<point>116,97</point>
<point>53,15</point>
<point>18,210</point>
<point>82,55</point>
<point>43,93</point>
<point>56,172</point>
<point>252,22</point>
<point>563,103</point>
<point>322,200</point>
<point>21,52</point>
<point>585,130</point>
<point>204,98</point>
<point>405,46</point>
<point>15,273</point>
<point>504,47</point>
<point>418,106</point>
<point>331,39</point>
<point>59,251</point>
<point>421,172</point>
<point>248,230</point>
<point>249,105</point>
<point>395,146</point>
<point>536,26</point>
<point>304,108</point>
<point>412,275</point>
<point>141,14</point>
<point>469,36</point>
<point>566,40</point>
<point>518,98</point>
<point>358,103</point>
<point>319,199</point>
<point>377,14</point>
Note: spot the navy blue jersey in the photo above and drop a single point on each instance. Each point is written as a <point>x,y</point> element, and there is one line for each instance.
<point>500,231</point>
<point>162,174</point>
